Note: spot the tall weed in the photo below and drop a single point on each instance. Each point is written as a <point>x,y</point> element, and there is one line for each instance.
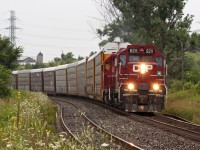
<point>185,104</point>
<point>36,127</point>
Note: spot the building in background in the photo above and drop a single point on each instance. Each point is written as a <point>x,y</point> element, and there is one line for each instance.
<point>23,60</point>
<point>40,58</point>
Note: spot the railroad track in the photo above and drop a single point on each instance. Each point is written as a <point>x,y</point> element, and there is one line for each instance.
<point>145,133</point>
<point>71,117</point>
<point>176,126</point>
<point>178,122</point>
<point>169,123</point>
<point>181,128</point>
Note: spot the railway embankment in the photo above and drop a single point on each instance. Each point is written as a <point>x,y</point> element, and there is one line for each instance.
<point>185,104</point>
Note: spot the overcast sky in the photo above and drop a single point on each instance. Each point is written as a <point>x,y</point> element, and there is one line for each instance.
<point>53,26</point>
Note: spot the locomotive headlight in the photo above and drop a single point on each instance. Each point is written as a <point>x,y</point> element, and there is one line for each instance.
<point>131,86</point>
<point>156,87</point>
<point>143,68</point>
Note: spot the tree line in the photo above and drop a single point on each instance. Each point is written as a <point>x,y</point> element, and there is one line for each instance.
<point>161,23</point>
<point>63,59</point>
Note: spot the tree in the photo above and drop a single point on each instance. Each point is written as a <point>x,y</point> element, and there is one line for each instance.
<point>80,57</point>
<point>102,43</point>
<point>9,53</point>
<point>52,64</point>
<point>68,58</point>
<point>57,59</point>
<point>5,76</point>
<point>39,65</point>
<point>65,59</point>
<point>195,42</point>
<point>149,20</point>
<point>161,23</point>
<point>92,53</point>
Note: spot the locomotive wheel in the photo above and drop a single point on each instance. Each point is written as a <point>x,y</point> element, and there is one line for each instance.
<point>105,98</point>
<point>160,103</point>
<point>117,102</point>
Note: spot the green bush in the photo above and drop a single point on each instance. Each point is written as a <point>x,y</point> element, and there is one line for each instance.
<point>188,86</point>
<point>197,87</point>
<point>184,103</point>
<point>176,86</point>
<point>5,75</point>
<point>193,76</point>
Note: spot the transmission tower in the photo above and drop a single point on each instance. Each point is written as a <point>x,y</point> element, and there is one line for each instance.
<point>12,28</point>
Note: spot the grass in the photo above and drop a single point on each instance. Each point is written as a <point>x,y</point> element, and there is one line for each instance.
<point>185,104</point>
<point>36,126</point>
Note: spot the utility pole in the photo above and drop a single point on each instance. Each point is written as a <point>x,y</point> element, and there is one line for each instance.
<point>12,28</point>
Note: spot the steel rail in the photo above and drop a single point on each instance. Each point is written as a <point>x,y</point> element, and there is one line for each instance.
<point>187,133</point>
<point>126,145</point>
<point>162,125</point>
<point>65,128</point>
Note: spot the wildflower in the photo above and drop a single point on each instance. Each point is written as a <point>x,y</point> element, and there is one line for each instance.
<point>61,135</point>
<point>104,145</point>
<point>40,143</point>
<point>51,145</point>
<point>63,139</point>
<point>5,139</point>
<point>57,145</point>
<point>9,145</point>
<point>48,133</point>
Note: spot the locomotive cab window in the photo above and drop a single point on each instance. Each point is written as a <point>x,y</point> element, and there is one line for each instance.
<point>159,61</point>
<point>122,59</point>
<point>134,58</point>
<point>147,59</point>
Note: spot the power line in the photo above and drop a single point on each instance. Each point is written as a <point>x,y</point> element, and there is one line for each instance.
<point>55,46</point>
<point>51,27</point>
<point>54,37</point>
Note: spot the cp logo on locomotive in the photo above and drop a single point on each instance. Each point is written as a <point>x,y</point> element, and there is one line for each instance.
<point>137,68</point>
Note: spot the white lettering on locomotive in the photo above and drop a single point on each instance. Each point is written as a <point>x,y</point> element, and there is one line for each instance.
<point>137,68</point>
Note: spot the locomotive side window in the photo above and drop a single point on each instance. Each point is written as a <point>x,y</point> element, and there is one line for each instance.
<point>134,58</point>
<point>159,61</point>
<point>122,59</point>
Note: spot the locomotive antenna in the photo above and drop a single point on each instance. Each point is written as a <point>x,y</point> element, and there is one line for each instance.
<point>12,28</point>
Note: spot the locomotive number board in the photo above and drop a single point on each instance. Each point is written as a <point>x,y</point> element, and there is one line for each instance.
<point>146,51</point>
<point>133,50</point>
<point>149,51</point>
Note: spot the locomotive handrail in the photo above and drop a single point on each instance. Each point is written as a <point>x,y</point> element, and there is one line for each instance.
<point>157,75</point>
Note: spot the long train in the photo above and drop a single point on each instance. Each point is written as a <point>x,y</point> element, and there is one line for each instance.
<point>131,77</point>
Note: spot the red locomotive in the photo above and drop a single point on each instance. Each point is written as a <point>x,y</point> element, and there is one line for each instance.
<point>131,77</point>
<point>134,79</point>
